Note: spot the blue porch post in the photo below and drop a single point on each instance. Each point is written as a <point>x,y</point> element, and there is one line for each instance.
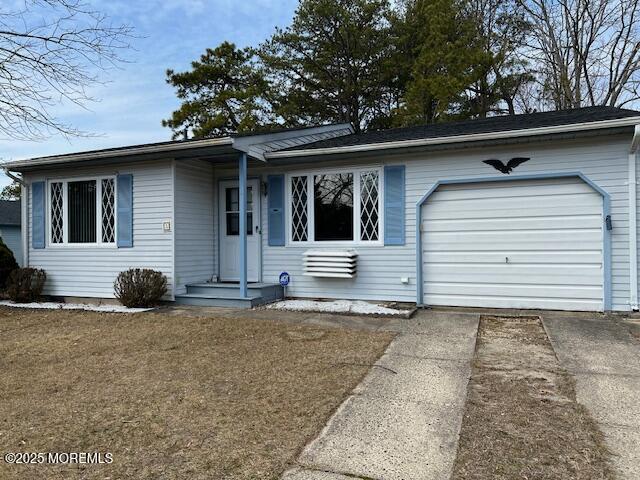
<point>242,187</point>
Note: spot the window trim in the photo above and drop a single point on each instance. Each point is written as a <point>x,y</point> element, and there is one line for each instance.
<point>356,171</point>
<point>65,212</point>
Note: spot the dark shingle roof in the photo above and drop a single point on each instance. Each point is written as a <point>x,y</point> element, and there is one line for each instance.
<point>484,125</point>
<point>10,213</point>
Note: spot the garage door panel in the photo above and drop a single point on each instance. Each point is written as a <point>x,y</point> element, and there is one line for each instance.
<point>504,238</point>
<point>529,302</point>
<point>520,222</point>
<point>498,247</point>
<point>518,291</point>
<point>506,211</point>
<point>535,274</point>
<point>527,244</point>
<point>542,193</point>
<point>568,259</point>
<point>508,208</point>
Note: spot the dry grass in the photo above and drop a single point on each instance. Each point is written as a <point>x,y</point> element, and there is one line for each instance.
<point>170,397</point>
<point>522,420</point>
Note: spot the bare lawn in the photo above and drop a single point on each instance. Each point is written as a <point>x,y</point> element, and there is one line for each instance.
<point>522,420</point>
<point>170,397</point>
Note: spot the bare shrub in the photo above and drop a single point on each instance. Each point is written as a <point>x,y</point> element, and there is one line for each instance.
<point>140,287</point>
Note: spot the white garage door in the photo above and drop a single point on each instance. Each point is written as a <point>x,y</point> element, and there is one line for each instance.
<point>515,244</point>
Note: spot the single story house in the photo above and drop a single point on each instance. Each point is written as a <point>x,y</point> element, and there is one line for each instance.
<point>524,211</point>
<point>10,219</point>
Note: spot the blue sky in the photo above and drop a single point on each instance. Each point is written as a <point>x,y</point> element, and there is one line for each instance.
<point>136,97</point>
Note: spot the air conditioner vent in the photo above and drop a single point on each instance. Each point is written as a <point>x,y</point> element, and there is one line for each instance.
<point>330,263</point>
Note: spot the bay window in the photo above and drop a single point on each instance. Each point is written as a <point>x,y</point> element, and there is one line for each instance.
<point>335,206</point>
<point>82,211</point>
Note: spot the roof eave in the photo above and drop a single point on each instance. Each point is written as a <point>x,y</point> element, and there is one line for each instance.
<point>203,147</point>
<point>248,142</point>
<point>118,153</point>
<point>476,137</point>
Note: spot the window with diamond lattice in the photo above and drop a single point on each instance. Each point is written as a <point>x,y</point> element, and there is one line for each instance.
<point>369,206</point>
<point>108,211</point>
<point>299,216</point>
<point>82,211</point>
<point>57,212</point>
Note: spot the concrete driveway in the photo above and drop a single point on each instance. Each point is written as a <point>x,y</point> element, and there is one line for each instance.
<point>403,420</point>
<point>604,357</point>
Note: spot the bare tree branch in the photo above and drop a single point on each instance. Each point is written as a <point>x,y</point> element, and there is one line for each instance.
<point>51,52</point>
<point>587,51</point>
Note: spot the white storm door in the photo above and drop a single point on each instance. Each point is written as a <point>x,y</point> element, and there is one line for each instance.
<point>229,228</point>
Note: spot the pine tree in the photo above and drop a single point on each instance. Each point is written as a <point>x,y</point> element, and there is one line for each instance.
<point>329,65</point>
<point>224,92</point>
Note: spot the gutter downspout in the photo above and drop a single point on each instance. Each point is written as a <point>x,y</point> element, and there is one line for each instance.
<point>24,215</point>
<point>633,220</point>
<point>13,177</point>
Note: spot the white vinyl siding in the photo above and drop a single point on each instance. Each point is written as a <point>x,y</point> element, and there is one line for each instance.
<point>194,227</point>
<point>520,244</point>
<point>89,271</point>
<point>380,268</point>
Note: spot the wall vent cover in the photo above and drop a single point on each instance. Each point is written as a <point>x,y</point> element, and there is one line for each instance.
<point>330,263</point>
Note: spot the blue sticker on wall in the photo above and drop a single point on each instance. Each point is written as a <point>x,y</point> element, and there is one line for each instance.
<point>284,279</point>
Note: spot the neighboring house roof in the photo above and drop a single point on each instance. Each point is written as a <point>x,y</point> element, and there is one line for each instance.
<point>478,129</point>
<point>10,212</point>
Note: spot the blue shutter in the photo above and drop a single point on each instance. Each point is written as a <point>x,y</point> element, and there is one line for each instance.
<point>394,205</point>
<point>275,190</point>
<point>37,215</point>
<point>125,211</point>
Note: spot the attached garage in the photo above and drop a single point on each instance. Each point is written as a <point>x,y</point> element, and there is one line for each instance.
<point>521,243</point>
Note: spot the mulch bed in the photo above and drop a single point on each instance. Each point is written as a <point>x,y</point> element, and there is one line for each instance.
<point>522,420</point>
<point>170,397</point>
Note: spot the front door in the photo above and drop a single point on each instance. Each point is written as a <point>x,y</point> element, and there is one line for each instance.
<point>229,228</point>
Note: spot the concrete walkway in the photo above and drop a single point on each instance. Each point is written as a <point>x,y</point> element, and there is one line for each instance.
<point>604,357</point>
<point>403,420</point>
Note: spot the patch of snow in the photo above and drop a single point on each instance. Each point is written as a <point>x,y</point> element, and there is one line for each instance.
<point>335,306</point>
<point>75,306</point>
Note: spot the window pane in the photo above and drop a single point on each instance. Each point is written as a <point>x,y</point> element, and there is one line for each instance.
<point>333,206</point>
<point>233,200</point>
<point>369,196</point>
<point>108,211</point>
<point>299,217</point>
<point>233,224</point>
<point>82,211</point>
<point>57,213</point>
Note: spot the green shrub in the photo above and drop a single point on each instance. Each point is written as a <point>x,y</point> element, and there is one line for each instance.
<point>141,288</point>
<point>25,284</point>
<point>7,264</point>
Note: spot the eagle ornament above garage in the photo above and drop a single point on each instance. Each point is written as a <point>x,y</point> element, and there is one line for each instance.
<point>508,168</point>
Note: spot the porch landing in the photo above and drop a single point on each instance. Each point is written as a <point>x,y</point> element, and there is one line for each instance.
<point>228,295</point>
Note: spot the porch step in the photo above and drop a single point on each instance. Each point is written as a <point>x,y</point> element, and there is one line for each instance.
<point>228,295</point>
<point>202,301</point>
